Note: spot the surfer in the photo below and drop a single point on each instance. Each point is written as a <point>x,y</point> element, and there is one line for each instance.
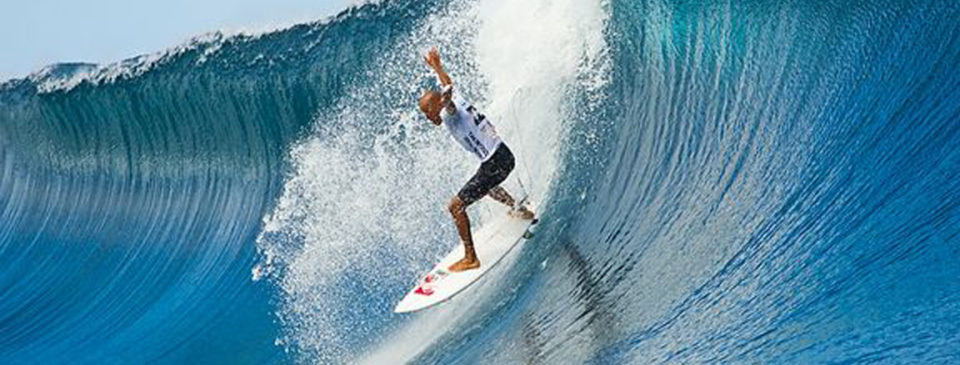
<point>477,135</point>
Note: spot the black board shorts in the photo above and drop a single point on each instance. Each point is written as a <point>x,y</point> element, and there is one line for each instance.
<point>491,173</point>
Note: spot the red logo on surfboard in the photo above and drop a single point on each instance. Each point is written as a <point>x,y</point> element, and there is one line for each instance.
<point>426,287</point>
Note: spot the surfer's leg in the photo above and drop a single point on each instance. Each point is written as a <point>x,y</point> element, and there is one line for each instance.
<point>488,177</point>
<point>458,209</point>
<point>498,168</point>
<point>500,194</point>
<point>473,190</point>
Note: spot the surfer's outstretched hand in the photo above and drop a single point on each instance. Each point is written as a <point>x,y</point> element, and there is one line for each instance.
<point>433,58</point>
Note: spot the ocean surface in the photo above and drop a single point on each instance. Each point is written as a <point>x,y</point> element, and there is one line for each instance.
<point>719,182</point>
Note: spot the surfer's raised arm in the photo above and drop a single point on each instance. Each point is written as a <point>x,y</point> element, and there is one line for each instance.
<point>433,60</point>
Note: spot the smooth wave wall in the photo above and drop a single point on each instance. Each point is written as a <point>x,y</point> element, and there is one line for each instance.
<point>775,183</point>
<point>132,194</point>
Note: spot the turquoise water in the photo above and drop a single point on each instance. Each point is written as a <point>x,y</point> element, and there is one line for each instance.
<point>745,182</point>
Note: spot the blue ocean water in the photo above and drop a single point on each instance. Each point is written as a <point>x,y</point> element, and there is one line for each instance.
<point>719,182</point>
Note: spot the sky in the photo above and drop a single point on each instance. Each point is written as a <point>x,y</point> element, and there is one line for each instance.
<point>36,33</point>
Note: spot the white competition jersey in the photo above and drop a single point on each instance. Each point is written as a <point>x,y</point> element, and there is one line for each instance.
<point>471,129</point>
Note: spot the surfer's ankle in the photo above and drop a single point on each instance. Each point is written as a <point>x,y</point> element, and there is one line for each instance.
<point>527,213</point>
<point>522,213</point>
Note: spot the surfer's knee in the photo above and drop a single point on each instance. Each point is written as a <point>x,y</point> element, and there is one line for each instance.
<point>456,205</point>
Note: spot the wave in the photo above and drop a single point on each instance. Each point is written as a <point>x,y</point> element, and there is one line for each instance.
<point>133,194</point>
<point>718,182</point>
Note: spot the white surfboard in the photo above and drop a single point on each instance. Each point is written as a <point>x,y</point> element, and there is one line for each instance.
<point>492,242</point>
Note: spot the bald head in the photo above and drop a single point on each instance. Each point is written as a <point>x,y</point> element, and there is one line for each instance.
<point>430,105</point>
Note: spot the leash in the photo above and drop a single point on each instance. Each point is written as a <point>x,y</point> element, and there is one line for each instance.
<point>516,128</point>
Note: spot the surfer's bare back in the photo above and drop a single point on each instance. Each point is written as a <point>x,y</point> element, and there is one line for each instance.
<point>477,135</point>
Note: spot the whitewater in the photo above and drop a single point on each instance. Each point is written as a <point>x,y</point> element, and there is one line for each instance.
<point>718,182</point>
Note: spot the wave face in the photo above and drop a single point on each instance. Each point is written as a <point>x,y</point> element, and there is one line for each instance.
<point>749,182</point>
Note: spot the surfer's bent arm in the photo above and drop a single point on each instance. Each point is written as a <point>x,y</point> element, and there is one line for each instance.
<point>433,60</point>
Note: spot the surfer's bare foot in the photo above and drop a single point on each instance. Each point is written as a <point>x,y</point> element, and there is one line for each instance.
<point>522,213</point>
<point>465,264</point>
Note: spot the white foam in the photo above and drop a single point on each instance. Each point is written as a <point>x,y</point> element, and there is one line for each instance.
<point>367,193</point>
<point>359,200</point>
<point>532,53</point>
